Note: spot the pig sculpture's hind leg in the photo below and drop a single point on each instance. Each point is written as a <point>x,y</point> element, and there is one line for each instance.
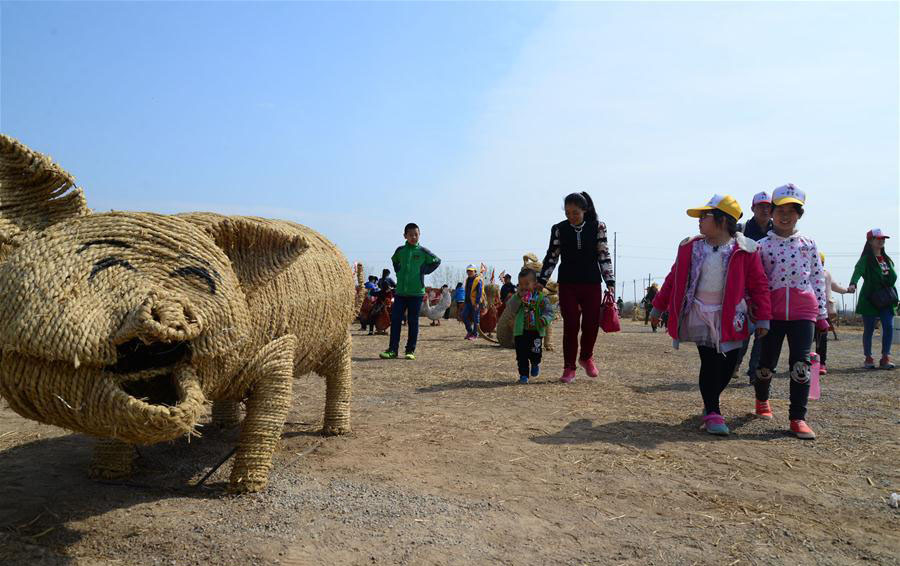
<point>338,387</point>
<point>268,379</point>
<point>113,459</point>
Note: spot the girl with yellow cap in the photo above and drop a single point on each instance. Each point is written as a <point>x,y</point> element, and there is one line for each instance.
<point>706,294</point>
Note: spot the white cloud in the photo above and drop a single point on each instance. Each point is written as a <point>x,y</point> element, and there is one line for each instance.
<point>652,108</point>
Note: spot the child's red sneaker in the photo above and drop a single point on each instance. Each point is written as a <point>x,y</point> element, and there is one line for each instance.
<point>802,430</point>
<point>764,410</point>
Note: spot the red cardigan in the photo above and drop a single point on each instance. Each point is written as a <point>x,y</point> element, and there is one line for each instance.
<point>745,278</point>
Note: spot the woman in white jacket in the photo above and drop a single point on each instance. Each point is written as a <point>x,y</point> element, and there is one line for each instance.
<point>822,337</point>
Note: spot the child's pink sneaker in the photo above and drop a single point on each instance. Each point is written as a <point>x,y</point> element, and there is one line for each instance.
<point>589,367</point>
<point>568,376</point>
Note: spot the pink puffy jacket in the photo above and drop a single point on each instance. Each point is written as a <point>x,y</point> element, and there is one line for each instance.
<point>744,278</point>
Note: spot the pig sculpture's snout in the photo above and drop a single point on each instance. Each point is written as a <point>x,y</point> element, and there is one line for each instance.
<point>161,318</point>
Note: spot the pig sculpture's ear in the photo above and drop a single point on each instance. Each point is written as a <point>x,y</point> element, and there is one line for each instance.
<point>34,192</point>
<point>258,250</point>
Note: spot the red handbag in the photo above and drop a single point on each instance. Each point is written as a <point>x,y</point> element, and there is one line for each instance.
<point>609,314</point>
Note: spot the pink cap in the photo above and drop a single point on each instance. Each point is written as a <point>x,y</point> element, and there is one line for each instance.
<point>875,233</point>
<point>761,197</point>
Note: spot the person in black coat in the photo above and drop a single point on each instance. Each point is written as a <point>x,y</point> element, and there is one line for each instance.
<point>579,245</point>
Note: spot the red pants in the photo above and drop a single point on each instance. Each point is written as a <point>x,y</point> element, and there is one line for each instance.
<point>579,304</point>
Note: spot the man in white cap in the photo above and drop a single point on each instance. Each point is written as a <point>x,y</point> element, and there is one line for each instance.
<point>757,227</point>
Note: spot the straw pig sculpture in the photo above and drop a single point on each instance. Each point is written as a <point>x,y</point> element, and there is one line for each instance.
<point>121,325</point>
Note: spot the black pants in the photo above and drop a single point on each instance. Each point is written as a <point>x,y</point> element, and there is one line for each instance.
<point>528,349</point>
<point>800,340</point>
<point>822,346</point>
<point>715,372</point>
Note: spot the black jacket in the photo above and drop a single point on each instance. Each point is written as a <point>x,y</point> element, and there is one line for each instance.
<point>752,230</point>
<point>582,252</point>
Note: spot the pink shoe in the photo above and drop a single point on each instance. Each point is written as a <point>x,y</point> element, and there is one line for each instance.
<point>589,367</point>
<point>568,376</point>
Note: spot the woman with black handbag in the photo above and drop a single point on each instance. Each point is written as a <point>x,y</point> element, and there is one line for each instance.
<point>878,299</point>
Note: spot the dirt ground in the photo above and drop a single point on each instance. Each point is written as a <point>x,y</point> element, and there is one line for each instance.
<point>450,462</point>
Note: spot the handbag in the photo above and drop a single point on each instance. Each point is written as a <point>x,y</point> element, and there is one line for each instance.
<point>883,298</point>
<point>609,314</point>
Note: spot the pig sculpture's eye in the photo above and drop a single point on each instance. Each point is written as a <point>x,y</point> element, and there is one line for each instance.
<point>108,262</point>
<point>199,272</point>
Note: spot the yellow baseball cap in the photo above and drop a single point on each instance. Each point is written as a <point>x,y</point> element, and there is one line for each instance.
<point>726,204</point>
<point>787,194</point>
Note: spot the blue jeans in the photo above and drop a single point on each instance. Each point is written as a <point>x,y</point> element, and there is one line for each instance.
<point>887,331</point>
<point>754,355</point>
<point>410,306</point>
<point>754,352</point>
<point>472,318</point>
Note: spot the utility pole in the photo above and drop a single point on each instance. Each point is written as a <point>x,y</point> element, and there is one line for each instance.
<point>634,290</point>
<point>615,254</point>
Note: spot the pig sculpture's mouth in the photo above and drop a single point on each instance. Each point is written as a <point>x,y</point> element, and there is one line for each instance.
<point>148,371</point>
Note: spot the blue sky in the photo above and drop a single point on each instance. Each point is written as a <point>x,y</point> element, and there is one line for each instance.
<point>472,119</point>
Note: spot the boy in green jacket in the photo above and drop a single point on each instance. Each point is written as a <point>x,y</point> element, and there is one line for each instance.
<point>412,263</point>
<point>877,271</point>
<point>534,313</point>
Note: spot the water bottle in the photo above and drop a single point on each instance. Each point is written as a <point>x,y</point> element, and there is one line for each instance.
<point>814,387</point>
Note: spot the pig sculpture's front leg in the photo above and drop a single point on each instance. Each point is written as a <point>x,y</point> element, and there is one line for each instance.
<point>268,378</point>
<point>226,413</point>
<point>338,389</point>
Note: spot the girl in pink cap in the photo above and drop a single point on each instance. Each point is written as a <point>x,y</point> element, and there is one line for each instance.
<point>878,299</point>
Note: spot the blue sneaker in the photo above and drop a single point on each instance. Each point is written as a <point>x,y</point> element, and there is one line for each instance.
<point>523,379</point>
<point>715,424</point>
<point>535,370</point>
